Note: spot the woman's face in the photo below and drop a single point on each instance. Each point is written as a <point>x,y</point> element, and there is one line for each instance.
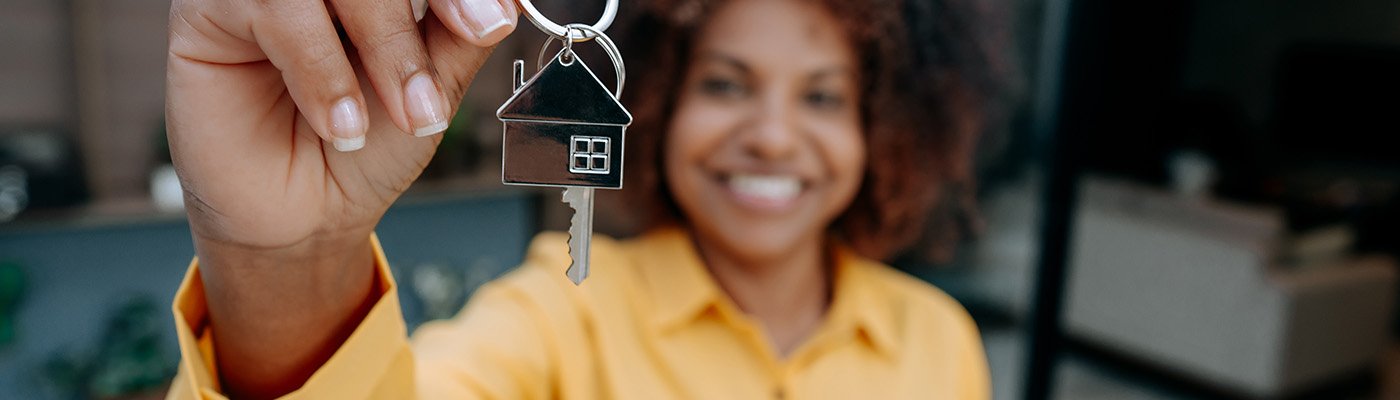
<point>765,146</point>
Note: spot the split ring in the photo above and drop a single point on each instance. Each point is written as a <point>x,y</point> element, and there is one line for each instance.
<point>559,31</point>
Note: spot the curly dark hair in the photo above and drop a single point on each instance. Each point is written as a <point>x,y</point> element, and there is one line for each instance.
<point>926,77</point>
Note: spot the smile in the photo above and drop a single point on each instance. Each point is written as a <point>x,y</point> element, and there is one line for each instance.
<point>765,192</point>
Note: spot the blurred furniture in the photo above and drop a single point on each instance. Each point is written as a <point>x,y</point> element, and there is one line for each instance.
<point>1195,287</point>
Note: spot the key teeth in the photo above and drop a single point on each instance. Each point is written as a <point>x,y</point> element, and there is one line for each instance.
<point>572,272</point>
<point>575,247</point>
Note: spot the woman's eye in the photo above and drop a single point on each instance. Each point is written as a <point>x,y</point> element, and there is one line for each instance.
<point>824,99</point>
<point>722,87</point>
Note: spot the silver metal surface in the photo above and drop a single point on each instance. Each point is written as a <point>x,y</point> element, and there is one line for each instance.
<point>517,75</point>
<point>580,231</point>
<point>559,31</point>
<point>539,153</point>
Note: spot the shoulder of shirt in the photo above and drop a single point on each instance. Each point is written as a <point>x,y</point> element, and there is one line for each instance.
<point>912,299</point>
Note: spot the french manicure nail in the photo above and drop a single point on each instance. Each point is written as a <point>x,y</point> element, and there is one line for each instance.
<point>425,105</point>
<point>347,145</point>
<point>347,125</point>
<point>484,17</point>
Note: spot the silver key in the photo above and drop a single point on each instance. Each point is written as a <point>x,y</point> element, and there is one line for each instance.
<point>580,231</point>
<point>563,128</point>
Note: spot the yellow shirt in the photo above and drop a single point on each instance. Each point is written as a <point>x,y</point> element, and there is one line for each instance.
<point>649,323</point>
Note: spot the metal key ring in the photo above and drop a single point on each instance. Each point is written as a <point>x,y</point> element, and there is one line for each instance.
<point>533,14</point>
<point>603,40</point>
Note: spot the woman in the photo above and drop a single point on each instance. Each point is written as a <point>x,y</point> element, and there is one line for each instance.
<point>784,143</point>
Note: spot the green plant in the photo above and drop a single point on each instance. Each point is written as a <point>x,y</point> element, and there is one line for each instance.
<point>129,359</point>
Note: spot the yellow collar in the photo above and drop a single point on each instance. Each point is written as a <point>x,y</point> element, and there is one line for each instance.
<point>683,290</point>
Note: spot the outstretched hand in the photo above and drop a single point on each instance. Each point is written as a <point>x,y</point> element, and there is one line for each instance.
<point>293,125</point>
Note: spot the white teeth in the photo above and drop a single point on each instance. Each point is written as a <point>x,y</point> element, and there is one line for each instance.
<point>768,187</point>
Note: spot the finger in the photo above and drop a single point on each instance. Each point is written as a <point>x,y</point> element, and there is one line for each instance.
<point>481,22</point>
<point>396,61</point>
<point>457,62</point>
<point>457,59</point>
<point>299,39</point>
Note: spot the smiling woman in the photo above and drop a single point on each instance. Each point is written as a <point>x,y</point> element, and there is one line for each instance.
<point>789,124</point>
<point>911,81</point>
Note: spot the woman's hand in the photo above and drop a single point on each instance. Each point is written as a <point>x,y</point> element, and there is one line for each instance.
<point>291,144</point>
<point>282,134</point>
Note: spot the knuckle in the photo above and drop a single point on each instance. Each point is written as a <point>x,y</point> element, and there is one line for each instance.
<point>326,64</point>
<point>394,50</point>
<point>402,35</point>
<point>321,58</point>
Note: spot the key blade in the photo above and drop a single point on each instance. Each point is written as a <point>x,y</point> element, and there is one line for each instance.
<point>580,199</point>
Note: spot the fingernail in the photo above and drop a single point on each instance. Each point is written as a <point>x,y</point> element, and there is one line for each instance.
<point>425,105</point>
<point>347,125</point>
<point>347,145</point>
<point>420,9</point>
<point>484,17</point>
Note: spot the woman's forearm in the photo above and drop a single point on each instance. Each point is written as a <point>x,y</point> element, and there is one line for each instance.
<point>277,315</point>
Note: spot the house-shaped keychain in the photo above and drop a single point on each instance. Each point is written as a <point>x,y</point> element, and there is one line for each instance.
<point>562,128</point>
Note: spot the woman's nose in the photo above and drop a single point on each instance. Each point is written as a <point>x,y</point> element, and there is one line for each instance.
<point>773,133</point>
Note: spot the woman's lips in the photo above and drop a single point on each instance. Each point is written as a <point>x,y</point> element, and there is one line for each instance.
<point>772,193</point>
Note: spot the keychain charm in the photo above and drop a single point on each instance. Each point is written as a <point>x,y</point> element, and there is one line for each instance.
<point>564,128</point>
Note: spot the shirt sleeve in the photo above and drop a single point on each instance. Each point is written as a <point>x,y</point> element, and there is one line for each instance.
<point>979,382</point>
<point>499,347</point>
<point>374,362</point>
<point>521,336</point>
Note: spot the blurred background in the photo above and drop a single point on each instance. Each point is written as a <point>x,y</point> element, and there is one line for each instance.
<point>1177,200</point>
